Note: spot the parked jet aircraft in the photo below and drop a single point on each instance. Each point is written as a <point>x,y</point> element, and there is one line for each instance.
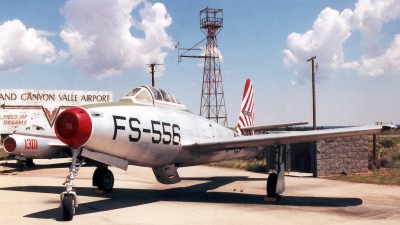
<point>151,128</point>
<point>27,145</point>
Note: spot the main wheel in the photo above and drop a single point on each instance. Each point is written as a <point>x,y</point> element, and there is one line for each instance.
<point>68,207</point>
<point>271,185</point>
<point>106,180</point>
<point>29,162</point>
<point>21,166</point>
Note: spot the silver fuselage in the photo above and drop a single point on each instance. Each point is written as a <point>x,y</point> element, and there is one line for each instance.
<point>151,136</point>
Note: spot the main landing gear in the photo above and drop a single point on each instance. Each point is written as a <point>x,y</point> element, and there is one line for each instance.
<point>24,163</point>
<point>103,178</point>
<point>276,181</point>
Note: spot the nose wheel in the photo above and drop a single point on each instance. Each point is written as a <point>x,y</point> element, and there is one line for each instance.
<point>68,206</point>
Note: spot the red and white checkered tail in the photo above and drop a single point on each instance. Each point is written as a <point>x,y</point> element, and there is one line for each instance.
<point>246,117</point>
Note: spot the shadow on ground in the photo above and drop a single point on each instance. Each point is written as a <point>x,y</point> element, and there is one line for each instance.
<point>122,198</point>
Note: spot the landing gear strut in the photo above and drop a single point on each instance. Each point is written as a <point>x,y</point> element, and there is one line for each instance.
<point>68,199</point>
<point>25,163</point>
<point>276,181</point>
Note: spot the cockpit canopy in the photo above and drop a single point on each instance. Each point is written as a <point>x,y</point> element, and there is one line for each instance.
<point>154,96</point>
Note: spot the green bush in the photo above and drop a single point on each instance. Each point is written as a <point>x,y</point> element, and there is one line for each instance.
<point>388,153</point>
<point>388,143</point>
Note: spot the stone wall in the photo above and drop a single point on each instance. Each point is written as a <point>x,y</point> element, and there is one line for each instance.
<point>349,155</point>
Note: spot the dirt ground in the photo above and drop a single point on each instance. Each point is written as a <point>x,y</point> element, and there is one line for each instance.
<point>206,195</point>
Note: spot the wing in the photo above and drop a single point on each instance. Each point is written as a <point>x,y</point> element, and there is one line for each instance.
<point>271,126</point>
<point>37,133</point>
<point>281,138</point>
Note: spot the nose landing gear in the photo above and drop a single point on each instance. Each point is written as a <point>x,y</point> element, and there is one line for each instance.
<point>68,199</point>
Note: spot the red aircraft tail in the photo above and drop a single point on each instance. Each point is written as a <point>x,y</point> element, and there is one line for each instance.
<point>246,117</point>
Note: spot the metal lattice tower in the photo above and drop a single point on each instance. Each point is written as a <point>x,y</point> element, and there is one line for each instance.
<point>212,104</point>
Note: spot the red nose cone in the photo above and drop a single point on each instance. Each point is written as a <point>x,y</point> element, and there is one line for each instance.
<point>73,127</point>
<point>9,144</point>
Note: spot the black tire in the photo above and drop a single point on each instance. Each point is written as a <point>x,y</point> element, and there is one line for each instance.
<point>21,167</point>
<point>68,207</point>
<point>271,185</point>
<point>96,177</point>
<point>106,180</point>
<point>29,162</point>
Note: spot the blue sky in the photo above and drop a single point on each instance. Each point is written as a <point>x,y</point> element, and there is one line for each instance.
<point>106,44</point>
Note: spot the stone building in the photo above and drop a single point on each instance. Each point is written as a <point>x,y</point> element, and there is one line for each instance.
<point>334,156</point>
<point>349,155</point>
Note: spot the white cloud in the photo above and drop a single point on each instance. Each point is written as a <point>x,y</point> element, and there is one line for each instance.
<point>100,40</point>
<point>350,65</point>
<point>62,55</point>
<point>369,17</point>
<point>44,33</point>
<point>20,46</point>
<point>214,52</point>
<point>389,61</point>
<point>330,31</point>
<point>325,41</point>
<point>290,58</point>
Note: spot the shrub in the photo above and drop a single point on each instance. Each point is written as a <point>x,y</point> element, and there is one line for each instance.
<point>385,161</point>
<point>388,143</point>
<point>388,154</point>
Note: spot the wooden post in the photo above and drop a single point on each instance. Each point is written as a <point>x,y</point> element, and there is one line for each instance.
<point>314,144</point>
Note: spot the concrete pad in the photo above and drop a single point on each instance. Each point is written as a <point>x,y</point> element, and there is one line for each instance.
<point>206,195</point>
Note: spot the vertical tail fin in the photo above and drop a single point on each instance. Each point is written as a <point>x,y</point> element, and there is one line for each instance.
<point>246,117</point>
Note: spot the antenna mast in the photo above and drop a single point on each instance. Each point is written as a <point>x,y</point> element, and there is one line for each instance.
<point>212,104</point>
